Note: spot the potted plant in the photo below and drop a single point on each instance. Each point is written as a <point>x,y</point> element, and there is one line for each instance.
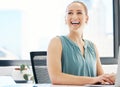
<point>26,76</point>
<point>23,74</point>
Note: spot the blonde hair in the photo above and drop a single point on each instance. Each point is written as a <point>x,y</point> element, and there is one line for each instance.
<point>85,7</point>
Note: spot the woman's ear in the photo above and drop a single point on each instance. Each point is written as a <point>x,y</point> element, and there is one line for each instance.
<point>87,18</point>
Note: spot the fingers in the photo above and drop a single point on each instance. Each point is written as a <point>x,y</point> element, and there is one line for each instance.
<point>112,77</point>
<point>106,79</point>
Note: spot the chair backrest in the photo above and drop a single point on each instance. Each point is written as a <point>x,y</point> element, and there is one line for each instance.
<point>39,66</point>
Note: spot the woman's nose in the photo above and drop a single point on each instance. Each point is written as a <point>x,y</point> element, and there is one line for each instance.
<point>75,16</point>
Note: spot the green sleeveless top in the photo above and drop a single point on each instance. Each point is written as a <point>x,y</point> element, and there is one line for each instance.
<point>72,60</point>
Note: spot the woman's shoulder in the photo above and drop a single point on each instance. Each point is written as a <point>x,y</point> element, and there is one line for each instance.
<point>55,40</point>
<point>55,43</point>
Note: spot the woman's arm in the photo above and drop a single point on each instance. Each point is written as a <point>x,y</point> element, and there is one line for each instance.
<point>100,71</point>
<point>55,70</point>
<point>99,65</point>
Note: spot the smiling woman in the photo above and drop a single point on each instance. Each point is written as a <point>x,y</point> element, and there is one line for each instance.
<point>29,25</point>
<point>77,60</point>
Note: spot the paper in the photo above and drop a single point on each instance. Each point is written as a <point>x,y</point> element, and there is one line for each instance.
<point>6,80</point>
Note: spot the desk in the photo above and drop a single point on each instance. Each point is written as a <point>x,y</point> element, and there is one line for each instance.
<point>50,85</point>
<point>38,85</point>
<point>7,81</point>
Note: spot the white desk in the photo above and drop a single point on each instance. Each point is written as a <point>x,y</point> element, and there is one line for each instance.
<point>38,85</point>
<point>7,81</point>
<point>50,85</point>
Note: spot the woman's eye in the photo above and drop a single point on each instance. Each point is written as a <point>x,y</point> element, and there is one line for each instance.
<point>79,12</point>
<point>69,12</point>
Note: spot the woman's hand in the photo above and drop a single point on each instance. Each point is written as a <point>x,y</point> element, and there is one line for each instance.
<point>112,77</point>
<point>105,79</point>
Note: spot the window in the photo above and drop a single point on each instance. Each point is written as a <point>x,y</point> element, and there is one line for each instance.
<point>28,25</point>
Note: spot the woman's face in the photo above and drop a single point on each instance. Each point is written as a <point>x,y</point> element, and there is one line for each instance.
<point>76,16</point>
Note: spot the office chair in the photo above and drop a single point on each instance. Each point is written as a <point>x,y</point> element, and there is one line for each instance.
<point>39,67</point>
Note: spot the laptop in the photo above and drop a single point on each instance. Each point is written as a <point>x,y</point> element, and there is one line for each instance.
<point>117,81</point>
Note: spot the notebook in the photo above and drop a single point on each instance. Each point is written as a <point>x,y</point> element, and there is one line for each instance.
<point>117,81</point>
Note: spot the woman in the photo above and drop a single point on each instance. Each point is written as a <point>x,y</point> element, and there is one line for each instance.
<point>72,59</point>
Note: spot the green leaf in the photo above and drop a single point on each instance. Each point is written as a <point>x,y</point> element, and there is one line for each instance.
<point>25,76</point>
<point>28,66</point>
<point>22,67</point>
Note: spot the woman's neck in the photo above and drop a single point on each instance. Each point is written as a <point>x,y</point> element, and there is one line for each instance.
<point>76,38</point>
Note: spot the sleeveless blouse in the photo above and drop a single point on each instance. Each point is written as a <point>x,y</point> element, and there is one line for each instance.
<point>73,61</point>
